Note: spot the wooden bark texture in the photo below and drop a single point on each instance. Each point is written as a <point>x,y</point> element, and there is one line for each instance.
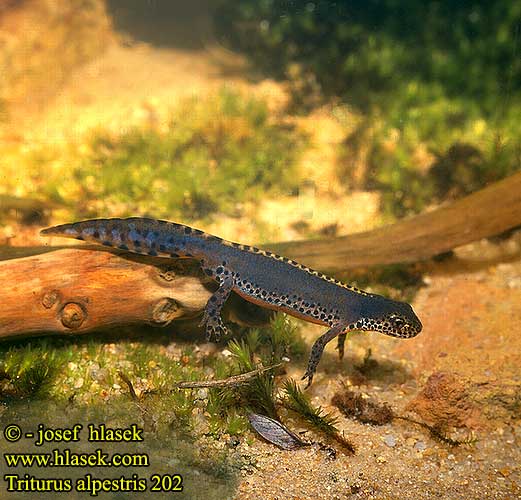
<point>78,290</point>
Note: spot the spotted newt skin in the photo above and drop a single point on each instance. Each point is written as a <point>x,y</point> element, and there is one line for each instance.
<point>258,276</point>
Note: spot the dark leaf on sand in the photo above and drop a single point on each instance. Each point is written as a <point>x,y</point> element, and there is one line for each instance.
<point>275,432</point>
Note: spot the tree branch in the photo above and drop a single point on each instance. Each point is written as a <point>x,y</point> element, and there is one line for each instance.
<point>485,213</point>
<point>78,290</point>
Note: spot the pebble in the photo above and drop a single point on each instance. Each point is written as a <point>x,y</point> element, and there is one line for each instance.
<point>514,282</point>
<point>202,394</point>
<point>390,441</point>
<point>420,446</point>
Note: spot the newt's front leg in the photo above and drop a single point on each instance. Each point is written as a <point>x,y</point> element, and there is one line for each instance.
<point>212,312</point>
<point>318,349</point>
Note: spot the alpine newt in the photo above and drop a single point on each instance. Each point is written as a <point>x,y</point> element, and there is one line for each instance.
<point>259,276</point>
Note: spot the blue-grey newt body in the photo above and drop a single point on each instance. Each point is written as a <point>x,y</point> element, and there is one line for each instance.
<point>259,276</point>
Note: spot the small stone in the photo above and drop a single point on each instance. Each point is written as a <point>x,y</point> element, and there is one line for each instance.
<point>514,282</point>
<point>207,349</point>
<point>355,488</point>
<point>79,383</point>
<point>99,374</point>
<point>381,460</point>
<point>202,394</point>
<point>390,441</point>
<point>420,446</point>
<point>234,441</point>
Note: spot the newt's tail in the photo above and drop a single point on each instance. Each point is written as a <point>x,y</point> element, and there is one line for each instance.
<point>98,230</point>
<point>135,234</point>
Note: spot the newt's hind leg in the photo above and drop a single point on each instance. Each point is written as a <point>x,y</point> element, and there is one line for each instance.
<point>318,349</point>
<point>212,312</point>
<point>340,344</point>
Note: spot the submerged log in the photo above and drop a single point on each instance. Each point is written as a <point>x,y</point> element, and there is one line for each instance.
<point>488,212</point>
<point>78,290</point>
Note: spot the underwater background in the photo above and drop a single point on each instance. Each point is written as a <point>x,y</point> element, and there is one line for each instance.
<point>262,122</point>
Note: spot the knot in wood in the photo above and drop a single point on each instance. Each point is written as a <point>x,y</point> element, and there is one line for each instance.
<point>73,315</point>
<point>167,273</point>
<point>50,298</point>
<point>165,310</point>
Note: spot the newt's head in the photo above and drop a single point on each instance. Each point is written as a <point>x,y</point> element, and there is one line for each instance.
<point>391,317</point>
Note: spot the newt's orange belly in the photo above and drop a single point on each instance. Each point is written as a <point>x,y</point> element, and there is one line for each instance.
<point>288,310</point>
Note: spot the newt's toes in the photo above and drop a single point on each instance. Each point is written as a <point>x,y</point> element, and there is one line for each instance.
<point>309,377</point>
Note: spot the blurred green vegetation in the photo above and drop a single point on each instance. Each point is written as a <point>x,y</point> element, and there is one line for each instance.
<point>213,154</point>
<point>426,82</point>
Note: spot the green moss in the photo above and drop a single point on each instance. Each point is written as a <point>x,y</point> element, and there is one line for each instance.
<point>91,374</point>
<point>298,402</point>
<point>29,371</point>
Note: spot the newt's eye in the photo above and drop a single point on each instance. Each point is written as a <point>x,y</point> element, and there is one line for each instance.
<point>396,321</point>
